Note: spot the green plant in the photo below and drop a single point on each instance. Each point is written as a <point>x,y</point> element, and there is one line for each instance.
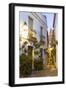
<point>25,65</point>
<point>38,64</point>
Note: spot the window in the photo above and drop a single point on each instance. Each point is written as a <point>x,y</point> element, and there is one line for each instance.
<point>41,33</point>
<point>30,23</point>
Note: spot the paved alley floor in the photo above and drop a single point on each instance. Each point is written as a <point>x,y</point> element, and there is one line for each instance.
<point>45,72</point>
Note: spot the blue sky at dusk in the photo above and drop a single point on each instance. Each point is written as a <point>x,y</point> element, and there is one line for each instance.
<point>50,17</point>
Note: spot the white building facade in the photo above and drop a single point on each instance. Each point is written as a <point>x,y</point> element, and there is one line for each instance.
<point>37,24</point>
<point>55,26</point>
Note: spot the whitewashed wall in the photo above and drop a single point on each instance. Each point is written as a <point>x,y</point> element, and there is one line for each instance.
<point>36,23</point>
<point>56,35</point>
